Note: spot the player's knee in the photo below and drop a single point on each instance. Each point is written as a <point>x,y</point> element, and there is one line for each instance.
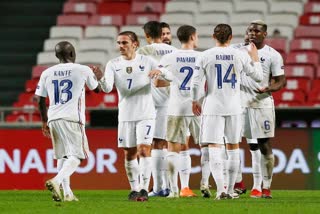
<point>144,151</point>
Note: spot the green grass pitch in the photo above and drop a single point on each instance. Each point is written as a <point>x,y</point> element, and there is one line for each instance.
<point>108,201</point>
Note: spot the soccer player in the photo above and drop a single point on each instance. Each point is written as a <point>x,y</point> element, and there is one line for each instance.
<point>177,67</point>
<point>129,74</point>
<point>64,121</point>
<point>156,49</point>
<point>221,109</point>
<point>166,36</point>
<point>259,107</point>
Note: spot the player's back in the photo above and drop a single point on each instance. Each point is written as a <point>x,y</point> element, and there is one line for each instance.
<point>64,84</point>
<point>222,67</point>
<point>181,64</point>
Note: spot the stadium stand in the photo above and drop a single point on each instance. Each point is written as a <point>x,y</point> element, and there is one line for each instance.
<point>92,26</point>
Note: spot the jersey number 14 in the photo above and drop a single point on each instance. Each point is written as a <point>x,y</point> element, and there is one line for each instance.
<point>226,78</point>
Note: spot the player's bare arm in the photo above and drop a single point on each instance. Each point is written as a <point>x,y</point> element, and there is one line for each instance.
<point>277,83</point>
<point>253,52</point>
<point>97,72</point>
<point>44,117</point>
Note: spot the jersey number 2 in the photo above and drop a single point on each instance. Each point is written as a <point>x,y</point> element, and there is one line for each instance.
<point>186,80</point>
<point>67,85</point>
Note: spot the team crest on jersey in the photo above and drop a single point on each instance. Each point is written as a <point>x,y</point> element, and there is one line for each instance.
<point>141,67</point>
<point>129,70</point>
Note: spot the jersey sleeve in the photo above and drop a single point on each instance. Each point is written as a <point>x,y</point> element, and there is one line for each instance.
<point>164,67</point>
<point>107,81</point>
<point>252,69</point>
<point>197,78</point>
<point>91,81</point>
<point>277,66</point>
<point>41,88</point>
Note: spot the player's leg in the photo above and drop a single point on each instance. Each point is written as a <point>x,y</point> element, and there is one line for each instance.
<point>205,172</point>
<point>266,126</point>
<point>267,164</point>
<point>173,166</point>
<point>67,192</point>
<point>144,132</point>
<point>232,132</point>
<point>127,141</point>
<point>70,140</point>
<point>256,168</point>
<point>212,134</point>
<point>159,155</point>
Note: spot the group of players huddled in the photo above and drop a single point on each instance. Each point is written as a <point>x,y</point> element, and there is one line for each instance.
<point>169,97</point>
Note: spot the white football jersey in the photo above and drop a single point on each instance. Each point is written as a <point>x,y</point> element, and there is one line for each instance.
<point>222,67</point>
<point>180,65</point>
<point>156,51</point>
<point>133,84</point>
<point>65,85</point>
<point>272,65</point>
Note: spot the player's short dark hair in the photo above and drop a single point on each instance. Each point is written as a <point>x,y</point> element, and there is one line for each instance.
<point>132,35</point>
<point>222,32</point>
<point>164,24</point>
<point>153,29</point>
<point>184,32</point>
<point>261,23</point>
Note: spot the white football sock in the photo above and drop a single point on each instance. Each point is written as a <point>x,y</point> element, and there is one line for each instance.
<point>66,181</point>
<point>164,169</point>
<point>68,168</point>
<point>132,170</point>
<point>239,173</point>
<point>205,167</point>
<point>185,168</point>
<point>145,172</point>
<point>224,157</point>
<point>156,155</point>
<point>216,167</point>
<point>256,169</point>
<point>267,164</point>
<point>173,169</point>
<point>233,163</point>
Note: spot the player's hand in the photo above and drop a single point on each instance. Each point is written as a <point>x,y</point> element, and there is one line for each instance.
<point>253,52</point>
<point>261,90</point>
<point>97,71</point>
<point>154,74</point>
<point>196,108</point>
<point>46,130</point>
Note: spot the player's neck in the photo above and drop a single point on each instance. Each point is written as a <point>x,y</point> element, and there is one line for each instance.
<point>187,46</point>
<point>129,56</point>
<point>156,40</point>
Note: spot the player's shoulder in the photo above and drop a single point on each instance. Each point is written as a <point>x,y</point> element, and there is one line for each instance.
<point>270,51</point>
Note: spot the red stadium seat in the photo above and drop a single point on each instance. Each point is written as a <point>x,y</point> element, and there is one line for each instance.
<point>303,57</point>
<point>298,84</point>
<point>114,7</point>
<point>309,19</point>
<point>301,71</point>
<point>116,20</point>
<point>279,103</point>
<point>23,117</point>
<point>31,85</point>
<point>147,7</point>
<point>79,8</point>
<point>37,71</point>
<point>140,19</point>
<point>314,95</point>
<point>315,85</point>
<point>305,44</point>
<point>307,32</point>
<point>312,7</point>
<point>78,20</point>
<point>280,44</point>
<point>290,96</point>
<point>318,73</point>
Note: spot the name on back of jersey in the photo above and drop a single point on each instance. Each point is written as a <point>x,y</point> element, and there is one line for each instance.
<point>65,73</point>
<point>186,59</point>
